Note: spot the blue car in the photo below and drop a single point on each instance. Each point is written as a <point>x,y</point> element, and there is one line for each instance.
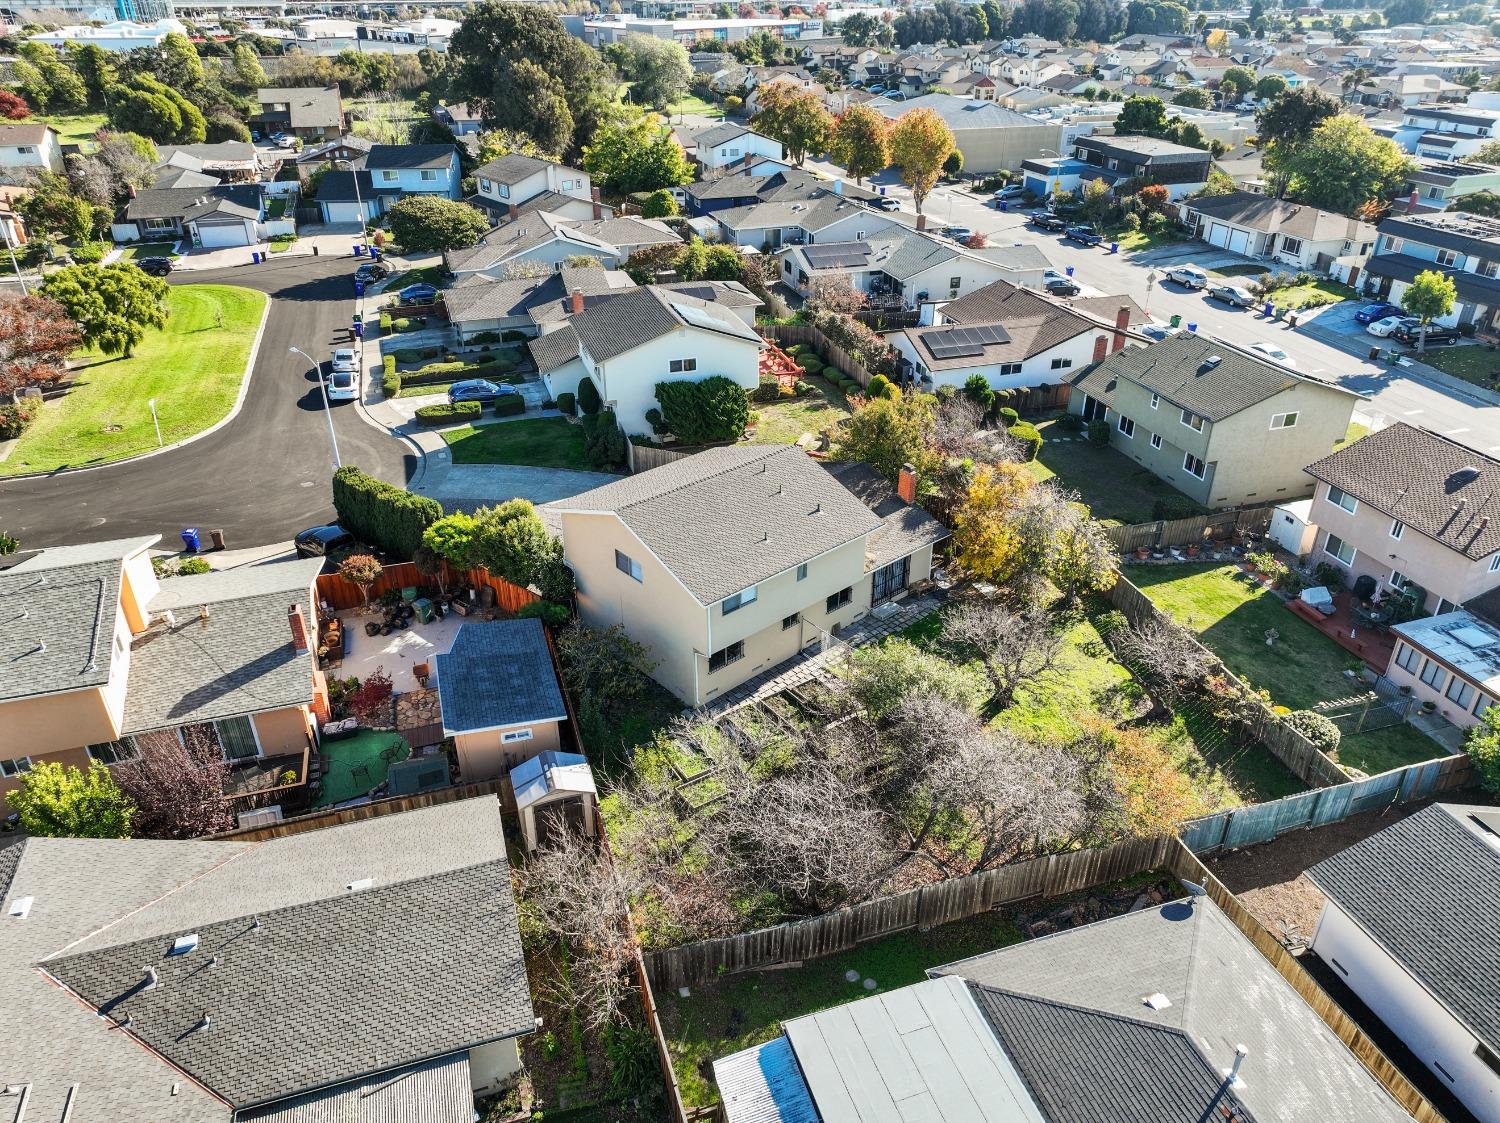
<point>1378,311</point>
<point>477,390</point>
<point>419,293</point>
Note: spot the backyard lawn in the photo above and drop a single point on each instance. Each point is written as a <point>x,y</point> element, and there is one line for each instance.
<point>72,128</point>
<point>1231,614</point>
<point>781,423</point>
<point>1117,490</point>
<point>193,368</point>
<point>543,442</point>
<point>1477,364</point>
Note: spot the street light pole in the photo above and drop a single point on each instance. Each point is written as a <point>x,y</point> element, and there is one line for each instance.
<point>327,409</point>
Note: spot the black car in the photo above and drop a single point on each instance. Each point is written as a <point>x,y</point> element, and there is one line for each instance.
<point>1047,220</point>
<point>320,541</point>
<point>371,271</point>
<point>1084,235</point>
<point>477,390</point>
<point>155,266</point>
<point>1436,333</point>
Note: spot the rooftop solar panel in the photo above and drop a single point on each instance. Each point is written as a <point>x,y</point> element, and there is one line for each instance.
<point>956,343</point>
<point>835,256</point>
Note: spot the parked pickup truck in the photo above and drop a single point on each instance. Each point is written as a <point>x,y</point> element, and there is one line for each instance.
<point>1047,220</point>
<point>1084,235</point>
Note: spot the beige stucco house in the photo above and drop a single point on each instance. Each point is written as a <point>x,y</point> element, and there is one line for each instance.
<point>1451,661</point>
<point>1407,506</point>
<point>100,653</point>
<point>1217,423</point>
<point>726,563</point>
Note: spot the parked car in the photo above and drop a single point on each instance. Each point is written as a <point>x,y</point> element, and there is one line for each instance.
<point>1083,234</point>
<point>419,293</point>
<point>1377,311</point>
<point>155,266</point>
<point>896,95</point>
<point>1233,294</point>
<point>1274,353</point>
<point>343,386</point>
<point>1408,332</point>
<point>1384,327</point>
<point>877,88</point>
<point>370,272</point>
<point>1046,220</point>
<point>344,360</point>
<point>477,390</point>
<point>1188,276</point>
<point>1059,284</point>
<point>1008,192</point>
<point>319,541</point>
<point>957,233</point>
<point>888,203</point>
<point>286,142</point>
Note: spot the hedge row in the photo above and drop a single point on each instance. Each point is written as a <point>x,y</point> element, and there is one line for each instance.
<point>448,412</point>
<point>387,517</point>
<point>510,405</point>
<point>390,381</point>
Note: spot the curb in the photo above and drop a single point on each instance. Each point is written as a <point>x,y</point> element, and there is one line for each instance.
<point>1436,379</point>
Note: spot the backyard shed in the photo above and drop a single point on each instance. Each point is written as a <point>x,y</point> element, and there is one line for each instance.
<point>554,783</point>
<point>1292,527</point>
<point>501,702</point>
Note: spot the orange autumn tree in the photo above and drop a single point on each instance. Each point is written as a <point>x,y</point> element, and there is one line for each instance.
<point>1153,795</point>
<point>921,143</point>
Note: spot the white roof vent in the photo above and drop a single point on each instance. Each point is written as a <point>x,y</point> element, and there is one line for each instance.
<point>184,944</point>
<point>20,908</point>
<point>1157,1001</point>
<point>362,883</point>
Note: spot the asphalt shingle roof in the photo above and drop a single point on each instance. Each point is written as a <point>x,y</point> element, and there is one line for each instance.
<point>1410,474</point>
<point>511,168</point>
<point>439,1091</point>
<point>306,107</point>
<point>907,527</point>
<point>1473,287</point>
<point>729,518</point>
<point>1267,215</point>
<point>553,349</point>
<point>1427,889</point>
<point>636,317</point>
<point>719,134</point>
<point>1032,323</point>
<point>410,156</point>
<point>1468,233</point>
<point>498,673</point>
<point>189,202</point>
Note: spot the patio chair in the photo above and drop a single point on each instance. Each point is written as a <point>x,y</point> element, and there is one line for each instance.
<point>362,772</point>
<point>392,753</point>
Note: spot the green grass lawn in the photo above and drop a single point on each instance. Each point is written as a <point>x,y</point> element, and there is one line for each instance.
<point>192,367</point>
<point>148,249</point>
<point>73,128</point>
<point>282,242</point>
<point>434,275</point>
<point>1300,296</point>
<point>543,442</point>
<point>1231,614</point>
<point>1476,363</point>
<point>1353,433</point>
<point>692,103</point>
<point>781,423</point>
<point>1138,241</point>
<point>1117,490</point>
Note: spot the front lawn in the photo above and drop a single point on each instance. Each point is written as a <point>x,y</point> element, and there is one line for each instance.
<point>149,249</point>
<point>1231,613</point>
<point>781,423</point>
<point>1138,241</point>
<point>434,275</point>
<point>692,103</point>
<point>193,368</point>
<point>543,442</point>
<point>1315,293</point>
<point>282,242</point>
<point>1477,364</point>
<point>1117,490</point>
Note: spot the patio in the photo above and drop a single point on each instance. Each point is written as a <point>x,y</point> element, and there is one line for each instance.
<point>358,764</point>
<point>1368,643</point>
<point>398,652</point>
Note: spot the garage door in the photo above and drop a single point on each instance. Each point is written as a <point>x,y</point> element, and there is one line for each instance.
<point>216,236</point>
<point>1217,235</point>
<point>341,212</point>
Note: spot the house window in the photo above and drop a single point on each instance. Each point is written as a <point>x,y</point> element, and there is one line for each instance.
<point>839,599</point>
<point>628,566</point>
<point>682,366</point>
<point>738,601</point>
<point>789,622</point>
<point>237,738</point>
<point>1155,401</point>
<point>1061,364</point>
<point>725,656</point>
<point>429,174</point>
<point>1291,245</point>
<point>1489,268</point>
<point>1126,426</point>
<point>15,766</point>
<point>1488,1058</point>
<point>1446,257</point>
<point>112,752</point>
<point>890,580</point>
<point>1495,563</point>
<point>1337,548</point>
<point>388,176</point>
<point>1407,658</point>
<point>1433,675</point>
<point>1009,369</point>
<point>1194,466</point>
<point>1397,529</point>
<point>802,572</point>
<point>954,282</point>
<point>1156,440</point>
<point>26,150</point>
<point>512,736</point>
<point>1460,693</point>
<point>1192,421</point>
<point>1283,421</point>
<point>505,191</point>
<point>1393,245</point>
<point>1397,579</point>
<point>1340,498</point>
<point>567,185</point>
<point>1484,703</point>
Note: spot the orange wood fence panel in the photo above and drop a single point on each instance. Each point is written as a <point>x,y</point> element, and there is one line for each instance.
<point>343,593</point>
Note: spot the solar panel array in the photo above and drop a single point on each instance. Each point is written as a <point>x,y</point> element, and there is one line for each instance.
<point>961,343</point>
<point>836,256</point>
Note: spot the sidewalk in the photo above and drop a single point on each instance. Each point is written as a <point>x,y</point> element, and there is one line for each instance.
<point>1437,380</point>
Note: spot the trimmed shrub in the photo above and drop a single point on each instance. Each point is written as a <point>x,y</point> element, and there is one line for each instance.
<point>880,387</point>
<point>1008,416</point>
<point>555,615</point>
<point>485,337</point>
<point>803,388</point>
<point>567,403</point>
<point>588,397</point>
<point>1320,730</point>
<point>698,412</point>
<point>89,253</point>
<point>1070,423</point>
<point>448,412</point>
<point>512,336</point>
<point>1098,431</point>
<point>389,518</point>
<point>769,389</point>
<point>390,381</point>
<point>1029,436</point>
<point>811,365</point>
<point>14,418</point>
<point>603,441</point>
<point>401,324</point>
<point>510,405</point>
<point>385,321</point>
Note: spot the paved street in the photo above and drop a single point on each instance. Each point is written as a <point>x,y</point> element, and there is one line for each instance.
<point>260,478</point>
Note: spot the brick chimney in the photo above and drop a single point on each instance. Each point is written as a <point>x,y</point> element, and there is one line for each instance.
<point>513,212</point>
<point>921,222</point>
<point>906,483</point>
<point>598,208</point>
<point>1411,204</point>
<point>577,303</point>
<point>1101,347</point>
<point>1122,324</point>
<point>298,622</point>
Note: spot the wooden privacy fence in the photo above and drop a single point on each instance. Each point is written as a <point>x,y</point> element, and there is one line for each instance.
<point>643,457</point>
<point>833,354</point>
<point>926,907</point>
<point>317,820</point>
<point>1190,531</point>
<point>343,593</point>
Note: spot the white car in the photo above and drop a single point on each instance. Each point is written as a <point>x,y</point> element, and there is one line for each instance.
<point>1383,328</point>
<point>343,386</point>
<point>1274,353</point>
<point>1189,276</point>
<point>344,360</point>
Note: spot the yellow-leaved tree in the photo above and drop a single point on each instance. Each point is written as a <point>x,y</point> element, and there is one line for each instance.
<point>988,545</point>
<point>921,143</point>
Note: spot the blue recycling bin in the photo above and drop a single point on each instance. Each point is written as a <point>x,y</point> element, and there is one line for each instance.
<point>1192,327</point>
<point>1114,247</point>
<point>190,540</point>
<point>1002,206</point>
<point>359,250</point>
<point>1269,311</point>
<point>359,288</point>
<point>1070,270</point>
<point>359,330</point>
<point>374,253</point>
<point>255,256</point>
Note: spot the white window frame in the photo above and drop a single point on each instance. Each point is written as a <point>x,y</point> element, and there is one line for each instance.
<point>1466,692</point>
<point>1439,679</point>
<point>1188,418</point>
<point>1495,563</point>
<point>1452,256</point>
<point>802,572</point>
<point>1398,528</point>
<point>682,366</point>
<point>1398,580</point>
<point>1125,426</point>
<point>14,767</point>
<point>503,190</point>
<point>1291,245</point>
<point>631,568</point>
<point>1408,658</point>
<point>747,595</point>
<point>1279,420</point>
<point>1339,502</point>
<point>1188,460</point>
<point>1156,440</point>
<point>429,175</point>
<point>1353,553</point>
<point>1155,401</point>
<point>389,176</point>
<point>511,736</point>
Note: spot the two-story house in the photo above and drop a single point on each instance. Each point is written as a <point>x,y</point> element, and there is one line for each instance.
<point>1259,226</point>
<point>1217,423</point>
<point>720,147</point>
<point>1404,505</point>
<point>537,236</point>
<point>513,180</point>
<point>1447,132</point>
<point>730,191</point>
<point>1465,247</point>
<point>390,173</point>
<point>100,653</point>
<point>1437,184</point>
<point>311,114</point>
<point>26,149</point>
<point>728,562</point>
<point>1145,160</point>
<point>628,342</point>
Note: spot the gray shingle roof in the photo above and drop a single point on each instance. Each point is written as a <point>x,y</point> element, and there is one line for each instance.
<point>511,168</point>
<point>1032,323</point>
<point>719,134</point>
<point>636,317</point>
<point>241,199</point>
<point>479,297</point>
<point>553,349</point>
<point>307,107</point>
<point>1467,233</point>
<point>1427,889</point>
<point>498,673</point>
<point>439,1091</point>
<point>1268,215</point>
<point>907,527</point>
<point>729,518</point>
<point>396,156</point>
<point>1177,368</point>
<point>1409,474</point>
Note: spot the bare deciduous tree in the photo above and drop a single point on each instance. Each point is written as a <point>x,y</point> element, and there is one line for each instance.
<point>835,294</point>
<point>1015,646</point>
<point>1168,657</point>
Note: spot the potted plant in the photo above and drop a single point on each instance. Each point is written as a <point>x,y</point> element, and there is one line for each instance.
<point>1428,706</point>
<point>1193,549</point>
<point>1142,553</point>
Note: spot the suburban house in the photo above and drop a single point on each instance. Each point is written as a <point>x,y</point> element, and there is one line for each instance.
<point>990,136</point>
<point>235,980</point>
<point>350,150</point>
<point>738,189</point>
<point>515,179</point>
<point>311,114</point>
<point>12,223</point>
<point>718,148</point>
<point>1217,423</point>
<point>1411,923</point>
<point>1009,335</point>
<point>628,342</point>
<point>28,148</point>
<point>1436,184</point>
<point>230,161</point>
<point>730,561</point>
<point>908,267</point>
<point>390,173</point>
<point>1145,160</point>
<point>1165,1013</point>
<point>828,217</point>
<point>1446,132</point>
<point>1406,506</point>
<point>1452,660</point>
<point>1465,247</point>
<point>224,214</point>
<point>541,236</point>
<point>1259,226</point>
<point>500,697</point>
<point>100,653</point>
<point>462,118</point>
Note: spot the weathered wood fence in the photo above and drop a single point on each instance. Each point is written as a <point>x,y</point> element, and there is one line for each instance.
<point>343,593</point>
<point>317,820</point>
<point>787,334</point>
<point>642,458</point>
<point>1190,531</point>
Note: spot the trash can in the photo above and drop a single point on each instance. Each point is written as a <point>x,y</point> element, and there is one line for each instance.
<point>217,538</point>
<point>255,257</point>
<point>315,249</point>
<point>374,253</point>
<point>1269,310</point>
<point>190,540</point>
<point>359,250</point>
<point>1002,206</point>
<point>1176,321</point>
<point>1114,247</point>
<point>359,330</point>
<point>1192,327</point>
<point>359,317</point>
<point>359,288</point>
<point>1070,270</point>
<point>1374,354</point>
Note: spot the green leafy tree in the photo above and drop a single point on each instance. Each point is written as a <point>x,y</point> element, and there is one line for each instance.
<point>389,518</point>
<point>1429,297</point>
<point>1236,82</point>
<point>511,542</point>
<point>921,143</point>
<point>1481,202</point>
<point>861,142</point>
<point>96,69</point>
<point>658,70</point>
<point>65,802</point>
<point>53,206</point>
<point>451,538</point>
<point>1489,153</point>
<point>659,204</point>
<point>1483,746</point>
<point>1341,166</point>
<point>152,109</point>
<point>714,409</point>
<point>1293,116</point>
<point>425,223</point>
<point>246,70</point>
<point>859,29</point>
<point>1142,116</point>
<point>1193,97</point>
<point>886,433</point>
<point>48,85</point>
<point>1271,86</point>
<point>795,117</point>
<point>636,152</point>
<point>112,305</point>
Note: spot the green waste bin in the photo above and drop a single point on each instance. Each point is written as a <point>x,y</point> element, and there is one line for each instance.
<point>1176,321</point>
